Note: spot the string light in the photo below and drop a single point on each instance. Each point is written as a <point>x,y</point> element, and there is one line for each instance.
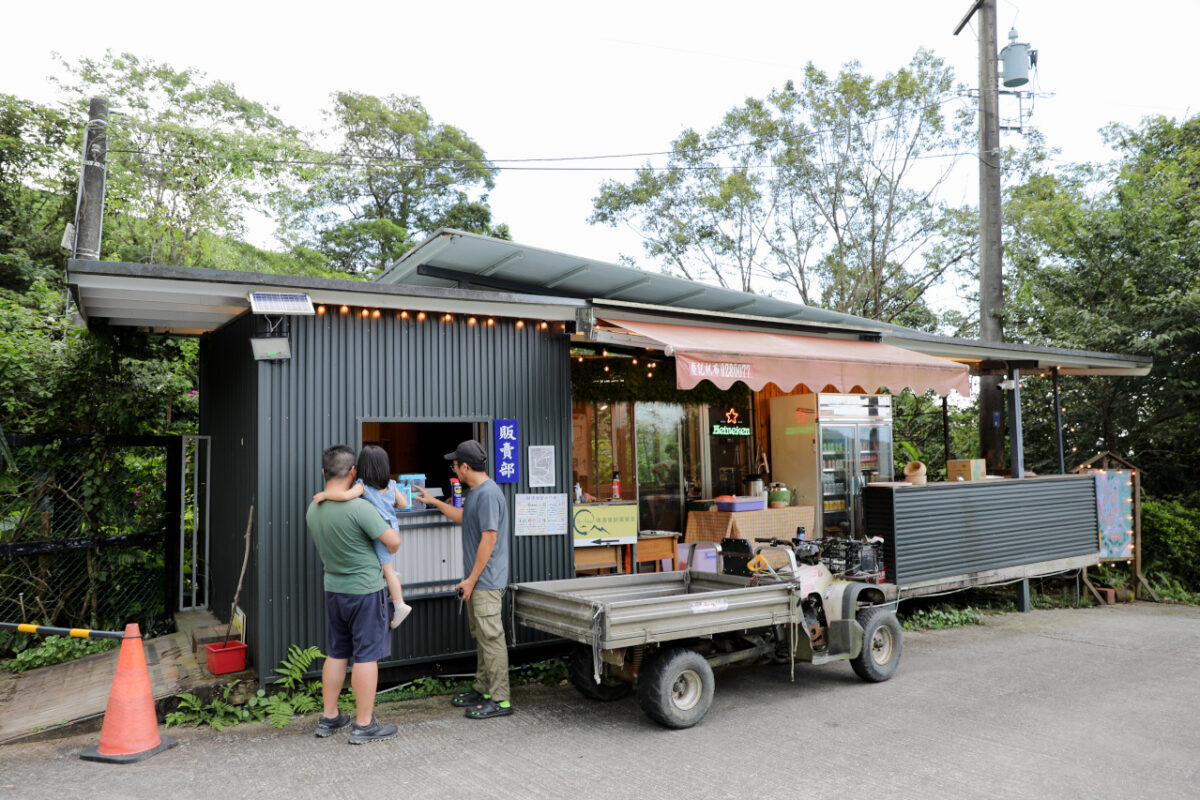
<point>365,312</point>
<point>606,367</point>
<point>320,309</point>
<point>345,309</point>
<point>491,321</point>
<point>470,320</point>
<point>635,362</point>
<point>581,359</point>
<point>544,325</point>
<point>447,318</point>
<point>604,353</point>
<point>520,323</point>
<point>403,315</point>
<point>375,314</point>
<point>421,315</point>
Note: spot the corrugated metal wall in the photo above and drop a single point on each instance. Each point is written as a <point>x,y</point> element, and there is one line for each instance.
<point>946,529</point>
<point>228,388</point>
<point>345,369</point>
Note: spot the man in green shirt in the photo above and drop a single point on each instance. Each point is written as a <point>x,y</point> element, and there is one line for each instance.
<point>355,599</point>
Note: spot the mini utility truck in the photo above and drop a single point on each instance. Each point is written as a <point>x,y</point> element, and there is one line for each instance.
<point>664,633</point>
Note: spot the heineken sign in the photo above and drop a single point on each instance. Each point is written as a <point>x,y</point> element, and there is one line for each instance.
<point>730,424</point>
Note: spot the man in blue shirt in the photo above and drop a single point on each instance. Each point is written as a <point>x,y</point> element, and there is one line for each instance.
<point>485,534</point>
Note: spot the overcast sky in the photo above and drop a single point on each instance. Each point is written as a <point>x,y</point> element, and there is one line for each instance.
<point>556,79</point>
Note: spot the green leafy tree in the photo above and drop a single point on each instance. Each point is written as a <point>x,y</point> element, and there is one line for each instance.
<point>396,175</point>
<point>828,188</point>
<point>1108,259</point>
<point>187,158</point>
<point>37,190</point>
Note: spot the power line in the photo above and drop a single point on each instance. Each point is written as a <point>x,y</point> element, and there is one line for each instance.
<point>365,160</point>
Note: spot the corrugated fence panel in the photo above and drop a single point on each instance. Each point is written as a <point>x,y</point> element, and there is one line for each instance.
<point>948,529</point>
<point>346,368</point>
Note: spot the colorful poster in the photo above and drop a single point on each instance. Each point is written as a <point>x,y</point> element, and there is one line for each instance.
<point>1114,503</point>
<point>540,514</point>
<point>507,452</point>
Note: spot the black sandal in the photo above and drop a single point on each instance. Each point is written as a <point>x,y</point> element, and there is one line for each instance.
<point>488,709</point>
<point>467,699</point>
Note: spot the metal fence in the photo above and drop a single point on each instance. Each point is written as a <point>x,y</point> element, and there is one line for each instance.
<point>82,523</point>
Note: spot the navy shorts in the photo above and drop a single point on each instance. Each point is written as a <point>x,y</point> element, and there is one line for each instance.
<point>357,626</point>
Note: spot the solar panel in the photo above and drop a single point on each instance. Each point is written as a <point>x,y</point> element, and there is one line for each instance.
<point>278,303</point>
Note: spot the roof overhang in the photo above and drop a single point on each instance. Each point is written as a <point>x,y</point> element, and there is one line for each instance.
<point>998,357</point>
<point>191,301</point>
<point>788,360</point>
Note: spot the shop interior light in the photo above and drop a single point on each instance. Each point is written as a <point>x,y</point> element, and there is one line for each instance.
<point>635,362</point>
<point>581,359</point>
<point>606,367</point>
<point>604,353</point>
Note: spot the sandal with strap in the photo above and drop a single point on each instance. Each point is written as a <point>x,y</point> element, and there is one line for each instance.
<point>467,699</point>
<point>488,709</point>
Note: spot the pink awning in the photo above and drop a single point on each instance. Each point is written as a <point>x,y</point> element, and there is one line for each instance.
<point>755,358</point>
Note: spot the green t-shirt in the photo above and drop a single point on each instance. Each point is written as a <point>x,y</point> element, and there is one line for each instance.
<point>343,534</point>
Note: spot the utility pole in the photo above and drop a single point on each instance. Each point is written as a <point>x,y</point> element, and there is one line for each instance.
<point>991,282</point>
<point>89,208</point>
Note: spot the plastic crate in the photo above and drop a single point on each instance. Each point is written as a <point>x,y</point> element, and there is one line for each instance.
<point>742,503</point>
<point>227,657</point>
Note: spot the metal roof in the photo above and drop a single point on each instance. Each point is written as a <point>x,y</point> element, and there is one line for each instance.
<point>188,300</point>
<point>454,258</point>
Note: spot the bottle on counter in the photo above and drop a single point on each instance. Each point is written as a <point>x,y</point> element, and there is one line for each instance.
<point>578,493</point>
<point>456,494</point>
<point>616,485</point>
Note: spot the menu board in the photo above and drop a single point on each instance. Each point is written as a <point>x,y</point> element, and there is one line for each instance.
<point>540,515</point>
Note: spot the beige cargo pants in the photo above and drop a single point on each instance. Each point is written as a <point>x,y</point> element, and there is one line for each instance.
<point>487,629</point>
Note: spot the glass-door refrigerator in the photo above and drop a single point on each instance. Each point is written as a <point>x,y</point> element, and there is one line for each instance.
<point>827,447</point>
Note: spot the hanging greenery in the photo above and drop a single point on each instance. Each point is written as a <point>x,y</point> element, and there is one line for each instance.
<point>624,381</point>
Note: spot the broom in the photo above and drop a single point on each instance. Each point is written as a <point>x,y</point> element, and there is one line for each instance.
<point>238,591</point>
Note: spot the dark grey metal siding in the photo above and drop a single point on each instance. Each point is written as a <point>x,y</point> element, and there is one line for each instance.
<point>345,369</point>
<point>947,529</point>
<point>228,392</point>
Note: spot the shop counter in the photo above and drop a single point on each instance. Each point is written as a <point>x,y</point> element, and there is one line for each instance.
<point>781,523</point>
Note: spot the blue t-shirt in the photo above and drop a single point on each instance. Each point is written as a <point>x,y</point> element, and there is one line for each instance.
<point>486,509</point>
<point>384,501</point>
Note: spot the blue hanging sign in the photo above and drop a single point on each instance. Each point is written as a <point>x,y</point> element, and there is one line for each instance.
<point>508,451</point>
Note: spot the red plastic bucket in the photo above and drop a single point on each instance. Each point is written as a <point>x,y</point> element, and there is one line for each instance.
<point>225,658</point>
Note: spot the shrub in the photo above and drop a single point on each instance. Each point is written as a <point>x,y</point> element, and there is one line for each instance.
<point>1171,541</point>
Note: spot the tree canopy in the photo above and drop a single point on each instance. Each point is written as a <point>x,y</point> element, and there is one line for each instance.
<point>827,190</point>
<point>396,175</point>
<point>1108,259</point>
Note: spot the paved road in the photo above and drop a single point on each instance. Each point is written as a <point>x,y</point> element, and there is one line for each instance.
<point>1095,703</point>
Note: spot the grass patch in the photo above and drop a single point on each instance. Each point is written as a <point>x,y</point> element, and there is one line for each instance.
<point>938,617</point>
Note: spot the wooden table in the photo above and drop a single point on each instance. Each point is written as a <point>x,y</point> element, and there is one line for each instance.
<point>597,557</point>
<point>713,525</point>
<point>655,548</point>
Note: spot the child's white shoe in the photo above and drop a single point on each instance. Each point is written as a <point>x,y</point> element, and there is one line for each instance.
<point>401,613</point>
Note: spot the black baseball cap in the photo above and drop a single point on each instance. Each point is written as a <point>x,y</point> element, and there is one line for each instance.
<point>470,453</point>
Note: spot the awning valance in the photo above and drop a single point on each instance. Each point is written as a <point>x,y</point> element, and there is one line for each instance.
<point>756,358</point>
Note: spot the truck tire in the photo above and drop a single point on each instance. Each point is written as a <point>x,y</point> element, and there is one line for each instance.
<point>579,669</point>
<point>677,688</point>
<point>882,644</point>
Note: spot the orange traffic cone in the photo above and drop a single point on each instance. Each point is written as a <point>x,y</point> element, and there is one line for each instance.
<point>130,729</point>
